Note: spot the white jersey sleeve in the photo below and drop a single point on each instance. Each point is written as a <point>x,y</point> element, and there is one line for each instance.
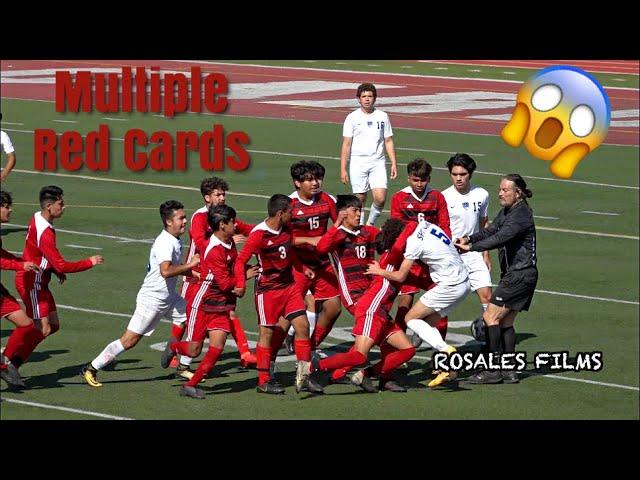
<point>7,146</point>
<point>348,127</point>
<point>166,248</point>
<point>484,209</point>
<point>413,250</point>
<point>388,131</point>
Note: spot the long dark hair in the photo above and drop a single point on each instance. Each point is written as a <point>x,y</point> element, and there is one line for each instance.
<point>520,184</point>
<point>390,231</point>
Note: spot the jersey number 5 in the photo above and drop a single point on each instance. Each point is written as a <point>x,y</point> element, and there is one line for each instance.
<point>441,235</point>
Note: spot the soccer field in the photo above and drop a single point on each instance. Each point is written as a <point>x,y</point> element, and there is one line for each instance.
<point>587,294</point>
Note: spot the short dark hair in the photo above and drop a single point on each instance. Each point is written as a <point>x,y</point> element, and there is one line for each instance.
<point>277,203</point>
<point>389,232</point>
<point>220,214</point>
<point>367,87</point>
<point>520,184</point>
<point>462,160</point>
<point>50,194</point>
<point>5,198</point>
<point>208,185</point>
<point>345,201</point>
<point>168,209</point>
<point>305,169</point>
<point>420,168</point>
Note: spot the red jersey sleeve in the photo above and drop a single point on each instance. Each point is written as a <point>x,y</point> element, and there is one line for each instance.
<point>250,247</point>
<point>55,258</point>
<point>198,233</point>
<point>443,215</point>
<point>395,207</point>
<point>8,261</point>
<point>333,211</point>
<point>216,262</point>
<point>329,241</point>
<point>243,228</point>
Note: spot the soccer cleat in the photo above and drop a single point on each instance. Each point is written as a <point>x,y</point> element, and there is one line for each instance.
<point>304,381</point>
<point>183,371</point>
<point>391,386</point>
<point>174,362</point>
<point>510,376</point>
<point>89,374</point>
<point>248,360</point>
<point>485,377</point>
<point>341,380</point>
<point>477,329</point>
<point>271,388</point>
<point>443,377</point>
<point>193,392</point>
<point>360,380</point>
<point>288,344</point>
<point>167,354</point>
<point>11,375</point>
<point>272,369</point>
<point>416,341</point>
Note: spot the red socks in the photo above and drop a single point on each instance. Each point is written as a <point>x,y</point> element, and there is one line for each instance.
<point>319,334</point>
<point>303,350</point>
<point>442,325</point>
<point>237,332</point>
<point>18,339</point>
<point>391,361</point>
<point>180,347</point>
<point>31,339</point>
<point>263,355</point>
<point>341,360</point>
<point>205,366</point>
<point>177,331</point>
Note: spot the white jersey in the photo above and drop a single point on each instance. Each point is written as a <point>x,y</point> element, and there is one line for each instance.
<point>465,211</point>
<point>430,244</point>
<point>7,146</point>
<point>166,248</point>
<point>368,131</point>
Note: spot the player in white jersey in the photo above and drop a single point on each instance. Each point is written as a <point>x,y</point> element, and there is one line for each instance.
<point>431,245</point>
<point>7,146</point>
<point>468,208</point>
<point>157,297</point>
<point>366,134</point>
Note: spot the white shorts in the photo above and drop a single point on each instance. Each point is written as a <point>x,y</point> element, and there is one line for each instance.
<point>479,275</point>
<point>444,298</point>
<point>149,312</point>
<point>366,174</point>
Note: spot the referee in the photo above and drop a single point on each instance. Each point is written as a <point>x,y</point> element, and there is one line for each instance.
<point>514,233</point>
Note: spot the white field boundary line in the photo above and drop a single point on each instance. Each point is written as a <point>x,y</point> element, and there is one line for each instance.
<point>64,409</point>
<point>593,382</point>
<point>112,237</point>
<point>328,157</point>
<point>240,194</point>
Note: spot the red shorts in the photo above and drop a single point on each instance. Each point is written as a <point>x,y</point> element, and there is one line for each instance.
<point>38,303</point>
<point>419,270</point>
<point>375,326</point>
<point>206,321</point>
<point>285,302</point>
<point>8,305</point>
<point>323,286</point>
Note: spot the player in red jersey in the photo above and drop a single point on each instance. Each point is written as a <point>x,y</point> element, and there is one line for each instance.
<point>25,331</point>
<point>40,248</point>
<point>277,294</point>
<point>214,191</point>
<point>312,209</point>
<point>218,299</point>
<point>373,324</point>
<point>416,203</point>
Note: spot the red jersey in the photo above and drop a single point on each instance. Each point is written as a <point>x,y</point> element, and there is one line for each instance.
<point>310,219</point>
<point>432,207</point>
<point>40,248</point>
<point>199,234</point>
<point>217,270</point>
<point>274,249</point>
<point>350,252</point>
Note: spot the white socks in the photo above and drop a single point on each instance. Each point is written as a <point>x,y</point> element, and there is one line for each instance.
<point>108,355</point>
<point>312,323</point>
<point>374,214</point>
<point>429,334</point>
<point>184,360</point>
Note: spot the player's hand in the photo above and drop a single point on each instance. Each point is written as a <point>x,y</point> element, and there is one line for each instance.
<point>3,175</point>
<point>30,267</point>
<point>252,271</point>
<point>195,274</point>
<point>96,260</point>
<point>239,238</point>
<point>239,292</point>
<point>462,247</point>
<point>62,277</point>
<point>310,274</point>
<point>344,177</point>
<point>374,268</point>
<point>342,215</point>
<point>394,171</point>
<point>195,261</point>
<point>46,328</point>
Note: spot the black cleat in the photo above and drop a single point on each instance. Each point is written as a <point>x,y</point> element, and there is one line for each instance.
<point>288,344</point>
<point>391,386</point>
<point>167,355</point>
<point>485,376</point>
<point>270,388</point>
<point>12,376</point>
<point>510,376</point>
<point>311,384</point>
<point>193,392</point>
<point>360,380</point>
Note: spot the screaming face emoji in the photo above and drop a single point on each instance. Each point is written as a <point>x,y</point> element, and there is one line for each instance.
<point>562,113</point>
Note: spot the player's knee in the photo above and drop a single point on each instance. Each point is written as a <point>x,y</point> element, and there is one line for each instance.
<point>195,349</point>
<point>54,328</point>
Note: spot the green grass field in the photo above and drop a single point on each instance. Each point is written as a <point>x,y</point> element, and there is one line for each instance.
<point>587,296</point>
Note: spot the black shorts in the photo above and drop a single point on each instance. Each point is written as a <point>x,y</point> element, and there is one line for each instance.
<point>516,288</point>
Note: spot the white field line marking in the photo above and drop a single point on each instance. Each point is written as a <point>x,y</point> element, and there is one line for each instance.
<point>582,380</point>
<point>82,246</point>
<point>112,237</point>
<point>546,218</point>
<point>13,123</point>
<point>64,409</point>
<point>435,151</point>
<point>601,213</point>
<point>116,119</point>
<point>326,157</point>
<point>179,187</point>
<point>65,121</point>
<point>626,387</point>
<point>586,297</point>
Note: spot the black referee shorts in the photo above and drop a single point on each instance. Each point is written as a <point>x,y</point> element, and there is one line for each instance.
<point>516,288</point>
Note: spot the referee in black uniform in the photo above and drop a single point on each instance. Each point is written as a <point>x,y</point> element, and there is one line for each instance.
<point>514,233</point>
